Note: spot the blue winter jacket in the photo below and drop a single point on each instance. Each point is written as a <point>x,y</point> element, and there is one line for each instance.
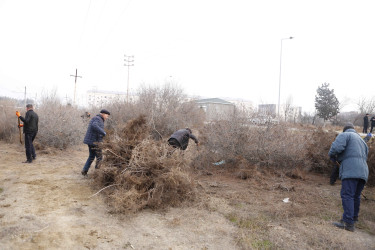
<point>95,131</point>
<point>351,151</point>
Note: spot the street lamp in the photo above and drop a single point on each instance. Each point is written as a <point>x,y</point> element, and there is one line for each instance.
<point>281,53</point>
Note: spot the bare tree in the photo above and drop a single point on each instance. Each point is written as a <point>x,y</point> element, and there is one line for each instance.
<point>366,105</point>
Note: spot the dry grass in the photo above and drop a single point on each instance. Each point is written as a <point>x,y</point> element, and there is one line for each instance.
<point>254,205</point>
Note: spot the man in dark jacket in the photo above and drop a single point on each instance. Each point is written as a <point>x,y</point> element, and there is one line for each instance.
<point>365,123</point>
<point>372,120</point>
<point>94,135</point>
<point>180,138</point>
<point>351,151</point>
<point>30,129</point>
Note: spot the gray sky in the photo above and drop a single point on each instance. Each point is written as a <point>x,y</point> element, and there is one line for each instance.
<point>211,48</point>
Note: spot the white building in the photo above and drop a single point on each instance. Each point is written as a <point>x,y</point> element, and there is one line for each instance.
<point>216,108</point>
<point>100,98</point>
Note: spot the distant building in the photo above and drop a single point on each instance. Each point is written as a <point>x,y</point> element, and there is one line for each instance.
<point>100,98</point>
<point>216,108</point>
<point>267,109</point>
<point>291,113</point>
<point>241,103</point>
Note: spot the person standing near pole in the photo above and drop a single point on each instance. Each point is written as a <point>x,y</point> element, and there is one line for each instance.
<point>30,129</point>
<point>94,135</point>
<point>351,151</point>
<point>365,123</point>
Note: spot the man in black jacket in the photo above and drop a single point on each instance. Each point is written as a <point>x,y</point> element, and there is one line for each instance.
<point>365,123</point>
<point>30,129</point>
<point>180,138</point>
<point>372,123</point>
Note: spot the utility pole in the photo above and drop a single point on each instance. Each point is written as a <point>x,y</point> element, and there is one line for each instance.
<point>129,61</point>
<point>75,86</point>
<point>281,53</point>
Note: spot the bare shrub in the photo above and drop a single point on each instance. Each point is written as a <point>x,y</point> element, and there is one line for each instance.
<point>121,112</point>
<point>275,146</point>
<point>142,171</point>
<point>8,120</point>
<point>317,150</point>
<point>167,109</point>
<point>60,125</point>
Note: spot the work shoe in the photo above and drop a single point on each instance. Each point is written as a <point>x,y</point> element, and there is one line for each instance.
<point>343,225</point>
<point>84,173</point>
<point>26,161</point>
<point>355,219</point>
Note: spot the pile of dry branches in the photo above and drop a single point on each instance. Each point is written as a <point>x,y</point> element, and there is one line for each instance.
<point>140,172</point>
<point>371,163</point>
<point>317,151</point>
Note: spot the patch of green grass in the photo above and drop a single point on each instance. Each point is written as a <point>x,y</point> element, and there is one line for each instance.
<point>232,218</point>
<point>262,244</point>
<point>1,190</point>
<point>328,216</point>
<point>258,223</point>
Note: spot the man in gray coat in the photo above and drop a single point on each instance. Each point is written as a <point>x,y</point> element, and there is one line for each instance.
<point>351,151</point>
<point>94,135</point>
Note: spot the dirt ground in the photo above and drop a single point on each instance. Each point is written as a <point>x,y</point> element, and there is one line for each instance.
<point>49,205</point>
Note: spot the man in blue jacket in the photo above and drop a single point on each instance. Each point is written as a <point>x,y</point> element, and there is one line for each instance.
<point>351,151</point>
<point>94,135</point>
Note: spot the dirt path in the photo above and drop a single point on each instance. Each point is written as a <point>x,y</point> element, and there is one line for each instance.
<point>46,205</point>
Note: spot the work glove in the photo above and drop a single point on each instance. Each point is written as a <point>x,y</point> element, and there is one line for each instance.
<point>20,126</point>
<point>18,114</point>
<point>333,158</point>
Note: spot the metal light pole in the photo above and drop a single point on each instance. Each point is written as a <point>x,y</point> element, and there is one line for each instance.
<point>281,53</point>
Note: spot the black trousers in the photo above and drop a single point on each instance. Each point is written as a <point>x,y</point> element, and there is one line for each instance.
<point>365,129</point>
<point>30,150</point>
<point>94,152</point>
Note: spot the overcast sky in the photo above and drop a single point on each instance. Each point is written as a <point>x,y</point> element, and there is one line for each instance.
<point>211,48</point>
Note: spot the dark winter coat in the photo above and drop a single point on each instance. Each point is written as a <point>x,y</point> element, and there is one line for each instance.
<point>372,121</point>
<point>30,122</point>
<point>183,136</point>
<point>365,121</point>
<point>351,151</point>
<point>95,131</point>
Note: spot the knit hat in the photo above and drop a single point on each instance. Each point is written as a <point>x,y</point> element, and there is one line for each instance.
<point>348,126</point>
<point>104,111</point>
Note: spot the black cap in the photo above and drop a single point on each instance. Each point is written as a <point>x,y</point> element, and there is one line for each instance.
<point>348,126</point>
<point>104,111</point>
